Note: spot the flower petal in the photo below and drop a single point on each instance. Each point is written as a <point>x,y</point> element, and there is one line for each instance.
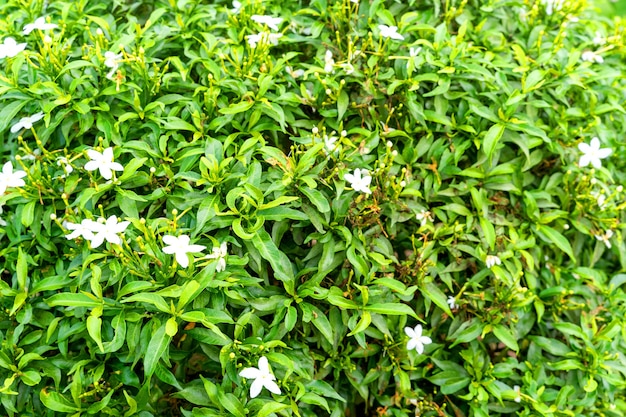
<point>182,259</point>
<point>256,387</point>
<point>272,386</point>
<point>250,373</point>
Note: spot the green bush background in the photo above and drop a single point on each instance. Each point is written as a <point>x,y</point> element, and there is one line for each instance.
<point>226,143</point>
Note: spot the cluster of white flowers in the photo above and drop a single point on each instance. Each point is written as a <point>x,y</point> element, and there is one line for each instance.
<point>329,62</point>
<point>265,38</point>
<point>10,48</point>
<point>96,232</point>
<point>180,246</point>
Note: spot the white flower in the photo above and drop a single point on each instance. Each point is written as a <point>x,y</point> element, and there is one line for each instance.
<point>180,247</point>
<point>518,398</point>
<point>348,68</point>
<point>591,56</point>
<point>8,178</point>
<point>2,222</point>
<point>452,303</point>
<point>390,32</point>
<point>269,21</point>
<point>413,52</point>
<point>598,39</point>
<point>111,61</point>
<point>295,74</point>
<point>220,254</point>
<point>40,23</point>
<point>600,198</point>
<point>417,341</point>
<point>26,122</point>
<point>85,229</point>
<point>263,378</point>
<point>605,238</point>
<point>354,1</point>
<point>552,5</point>
<point>236,7</point>
<point>330,143</point>
<point>329,62</point>
<point>263,38</point>
<point>492,260</point>
<point>109,231</point>
<point>103,162</point>
<point>592,154</point>
<point>424,217</point>
<point>9,48</point>
<point>65,164</point>
<point>360,181</point>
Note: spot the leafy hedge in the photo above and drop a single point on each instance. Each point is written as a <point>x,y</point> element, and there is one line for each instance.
<point>310,208</point>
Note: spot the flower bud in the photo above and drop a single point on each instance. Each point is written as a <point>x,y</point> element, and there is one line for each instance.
<point>315,130</point>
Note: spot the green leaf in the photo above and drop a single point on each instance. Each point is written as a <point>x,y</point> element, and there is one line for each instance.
<point>72,300</point>
<point>271,407</point>
<point>237,108</point>
<point>489,232</point>
<point>506,337</point>
<point>317,198</point>
<point>278,260</point>
<point>159,343</point>
<point>491,139</point>
<point>550,235</point>
<point>363,324</point>
<point>391,309</point>
<point>56,402</point>
<point>434,294</point>
<point>342,104</point>
<point>232,404</point>
<point>94,326</point>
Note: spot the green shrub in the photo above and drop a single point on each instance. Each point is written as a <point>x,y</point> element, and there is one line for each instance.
<point>287,208</point>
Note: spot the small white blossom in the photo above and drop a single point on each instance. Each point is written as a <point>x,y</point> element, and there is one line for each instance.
<point>9,48</point>
<point>518,393</point>
<point>263,378</point>
<point>359,181</point>
<point>3,223</point>
<point>65,164</point>
<point>294,73</point>
<point>8,178</point>
<point>103,162</point>
<point>592,154</point>
<point>236,7</point>
<point>180,247</point>
<point>590,56</point>
<point>354,1</point>
<point>552,5</point>
<point>269,21</point>
<point>85,229</point>
<point>424,216</point>
<point>220,254</point>
<point>330,143</point>
<point>492,260</point>
<point>416,341</point>
<point>605,238</point>
<point>111,60</point>
<point>348,68</point>
<point>26,122</point>
<point>329,62</point>
<point>452,303</point>
<point>413,52</point>
<point>390,32</point>
<point>600,198</point>
<point>598,39</point>
<point>263,38</point>
<point>39,24</point>
<point>108,230</point>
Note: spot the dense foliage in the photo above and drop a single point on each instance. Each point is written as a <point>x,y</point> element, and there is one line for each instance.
<point>345,207</point>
